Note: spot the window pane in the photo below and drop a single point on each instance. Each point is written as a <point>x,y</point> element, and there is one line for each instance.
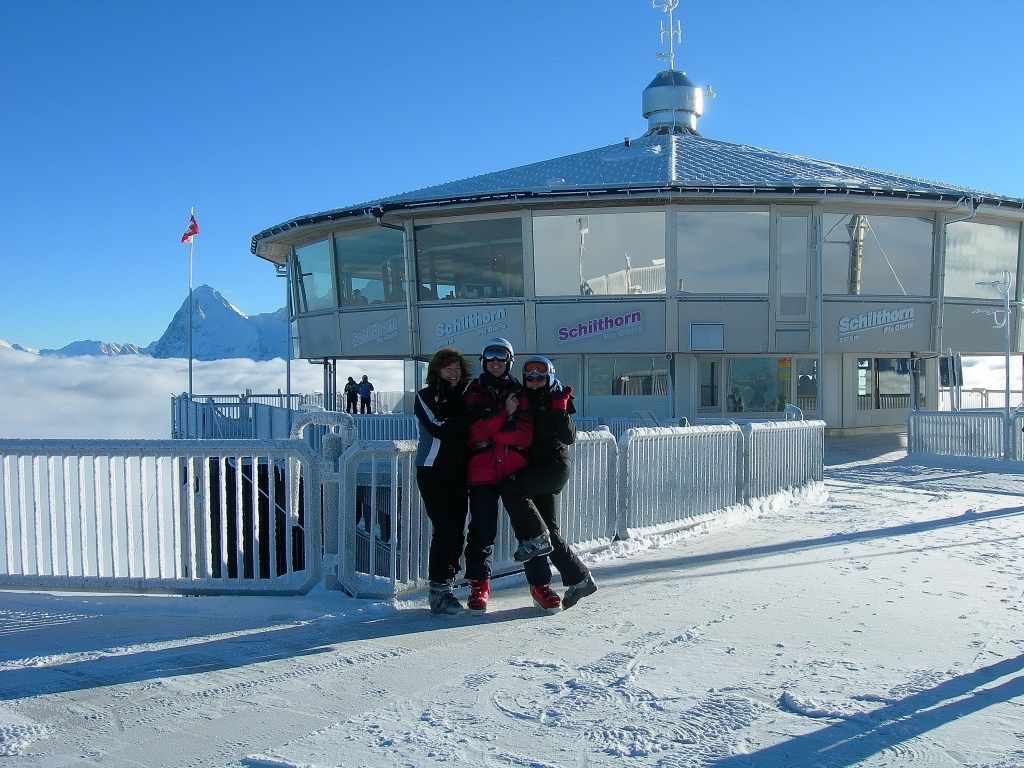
<point>807,384</point>
<point>979,253</point>
<point>793,255</point>
<point>708,384</point>
<point>599,254</point>
<point>877,255</point>
<point>723,252</point>
<point>371,267</point>
<point>470,259</point>
<point>759,384</point>
<point>627,375</point>
<point>314,286</point>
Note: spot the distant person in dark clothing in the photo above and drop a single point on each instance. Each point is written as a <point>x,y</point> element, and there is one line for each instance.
<point>351,396</point>
<point>441,472</point>
<point>364,388</point>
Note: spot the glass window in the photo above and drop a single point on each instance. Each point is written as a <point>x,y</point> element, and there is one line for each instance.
<point>708,384</point>
<point>792,251</point>
<point>314,284</point>
<point>884,383</point>
<point>627,375</point>
<point>371,267</point>
<point>807,384</point>
<point>604,254</point>
<point>758,384</point>
<point>470,259</point>
<point>977,253</point>
<point>876,255</point>
<point>723,252</point>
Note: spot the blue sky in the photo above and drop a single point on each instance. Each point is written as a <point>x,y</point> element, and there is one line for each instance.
<point>117,117</point>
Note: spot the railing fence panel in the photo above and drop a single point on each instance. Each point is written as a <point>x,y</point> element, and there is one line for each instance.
<point>158,515</point>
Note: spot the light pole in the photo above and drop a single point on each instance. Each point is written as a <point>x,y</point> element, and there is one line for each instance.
<point>1003,286</point>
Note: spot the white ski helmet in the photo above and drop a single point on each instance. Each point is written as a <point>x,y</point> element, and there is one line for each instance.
<point>498,349</point>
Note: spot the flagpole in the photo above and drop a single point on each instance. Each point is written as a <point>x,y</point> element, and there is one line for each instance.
<point>191,244</point>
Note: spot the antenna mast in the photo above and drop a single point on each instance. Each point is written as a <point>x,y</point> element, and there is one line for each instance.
<point>673,30</point>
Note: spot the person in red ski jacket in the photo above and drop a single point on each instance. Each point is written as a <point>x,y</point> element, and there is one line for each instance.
<point>500,430</point>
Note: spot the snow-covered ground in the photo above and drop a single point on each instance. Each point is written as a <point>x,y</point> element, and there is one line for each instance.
<point>875,622</point>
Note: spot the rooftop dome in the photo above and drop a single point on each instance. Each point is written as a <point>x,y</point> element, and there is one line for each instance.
<point>672,103</point>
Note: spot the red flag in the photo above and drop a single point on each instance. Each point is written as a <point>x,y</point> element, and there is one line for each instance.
<point>193,229</point>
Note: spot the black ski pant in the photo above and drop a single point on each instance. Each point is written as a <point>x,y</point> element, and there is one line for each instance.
<point>535,489</point>
<point>483,528</point>
<point>351,403</point>
<point>444,498</point>
<point>364,404</point>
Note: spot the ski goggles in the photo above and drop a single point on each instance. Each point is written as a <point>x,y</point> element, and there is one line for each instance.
<point>537,367</point>
<point>496,353</point>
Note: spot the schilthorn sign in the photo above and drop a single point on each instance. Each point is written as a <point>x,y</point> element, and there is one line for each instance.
<point>380,332</point>
<point>889,320</point>
<point>484,323</point>
<point>607,326</point>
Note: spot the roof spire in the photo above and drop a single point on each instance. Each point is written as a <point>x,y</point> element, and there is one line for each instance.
<point>672,102</point>
<point>675,35</point>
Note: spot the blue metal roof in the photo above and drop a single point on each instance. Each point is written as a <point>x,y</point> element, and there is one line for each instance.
<point>679,162</point>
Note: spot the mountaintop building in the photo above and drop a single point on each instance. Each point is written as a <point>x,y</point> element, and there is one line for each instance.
<point>672,275</point>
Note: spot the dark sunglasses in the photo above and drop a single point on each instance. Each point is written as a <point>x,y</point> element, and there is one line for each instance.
<point>496,354</point>
<point>535,376</point>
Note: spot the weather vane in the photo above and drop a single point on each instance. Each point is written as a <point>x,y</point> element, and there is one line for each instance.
<point>674,31</point>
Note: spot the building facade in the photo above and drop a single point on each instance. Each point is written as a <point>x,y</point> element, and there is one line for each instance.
<point>672,275</point>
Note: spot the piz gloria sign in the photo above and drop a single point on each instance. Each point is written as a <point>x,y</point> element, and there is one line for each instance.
<point>606,327</point>
<point>889,320</point>
<point>380,332</point>
<point>485,323</point>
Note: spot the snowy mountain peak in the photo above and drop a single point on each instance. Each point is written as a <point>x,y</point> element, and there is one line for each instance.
<point>5,344</point>
<point>220,330</point>
<point>80,348</point>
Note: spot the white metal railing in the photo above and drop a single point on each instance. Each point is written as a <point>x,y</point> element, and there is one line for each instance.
<point>237,516</point>
<point>785,454</point>
<point>186,516</point>
<point>671,474</point>
<point>977,434</point>
<point>377,533</point>
<point>976,397</point>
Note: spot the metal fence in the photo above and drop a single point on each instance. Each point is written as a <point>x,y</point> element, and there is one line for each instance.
<point>976,397</point>
<point>669,475</point>
<point>971,434</point>
<point>171,515</point>
<point>237,516</point>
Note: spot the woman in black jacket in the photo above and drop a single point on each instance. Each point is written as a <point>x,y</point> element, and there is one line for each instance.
<point>441,472</point>
<point>546,474</point>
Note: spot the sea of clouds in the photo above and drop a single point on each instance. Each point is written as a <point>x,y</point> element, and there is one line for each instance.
<point>130,396</point>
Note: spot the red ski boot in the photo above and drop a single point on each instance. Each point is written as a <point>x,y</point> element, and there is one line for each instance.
<point>479,591</point>
<point>546,598</point>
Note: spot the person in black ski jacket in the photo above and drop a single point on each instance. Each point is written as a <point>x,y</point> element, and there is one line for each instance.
<point>548,470</point>
<point>441,472</point>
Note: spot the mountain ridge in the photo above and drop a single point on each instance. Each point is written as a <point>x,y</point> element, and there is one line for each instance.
<point>220,331</point>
